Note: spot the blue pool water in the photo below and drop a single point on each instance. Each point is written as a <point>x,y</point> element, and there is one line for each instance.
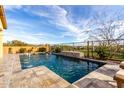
<point>68,68</point>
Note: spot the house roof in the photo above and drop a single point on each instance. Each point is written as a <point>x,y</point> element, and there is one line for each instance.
<point>2,17</point>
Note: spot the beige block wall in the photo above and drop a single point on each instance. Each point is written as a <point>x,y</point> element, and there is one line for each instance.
<point>15,49</point>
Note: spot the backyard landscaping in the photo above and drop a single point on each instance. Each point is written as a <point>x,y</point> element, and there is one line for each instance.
<point>100,50</point>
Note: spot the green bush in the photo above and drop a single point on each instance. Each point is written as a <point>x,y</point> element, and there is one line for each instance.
<point>41,49</point>
<point>22,50</point>
<point>123,53</point>
<point>10,51</point>
<point>102,52</point>
<point>30,50</point>
<point>57,50</point>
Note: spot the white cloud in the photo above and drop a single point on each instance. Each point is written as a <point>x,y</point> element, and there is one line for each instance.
<point>37,38</point>
<point>19,36</point>
<point>25,31</point>
<point>58,17</point>
<point>19,30</point>
<point>12,7</point>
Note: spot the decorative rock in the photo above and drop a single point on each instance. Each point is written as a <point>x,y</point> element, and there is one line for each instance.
<point>122,65</point>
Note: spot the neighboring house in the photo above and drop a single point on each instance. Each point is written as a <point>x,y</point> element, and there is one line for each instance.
<point>3,25</point>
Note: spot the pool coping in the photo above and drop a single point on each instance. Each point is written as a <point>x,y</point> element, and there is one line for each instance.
<point>14,59</point>
<point>45,67</point>
<point>61,77</point>
<point>98,74</point>
<point>74,86</point>
<point>81,58</point>
<point>84,59</point>
<point>89,74</point>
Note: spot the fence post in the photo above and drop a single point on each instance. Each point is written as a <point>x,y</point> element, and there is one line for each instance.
<point>87,48</point>
<point>92,49</point>
<point>73,47</point>
<point>61,47</point>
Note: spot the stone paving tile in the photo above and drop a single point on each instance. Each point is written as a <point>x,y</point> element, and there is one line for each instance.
<point>109,70</point>
<point>103,77</point>
<point>93,82</point>
<point>2,70</point>
<point>2,82</point>
<point>71,86</point>
<point>35,77</point>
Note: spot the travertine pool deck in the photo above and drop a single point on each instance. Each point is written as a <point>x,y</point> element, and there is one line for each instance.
<point>12,76</point>
<point>37,77</point>
<point>100,78</point>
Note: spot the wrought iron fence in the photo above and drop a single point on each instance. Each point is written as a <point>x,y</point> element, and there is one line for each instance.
<point>112,49</point>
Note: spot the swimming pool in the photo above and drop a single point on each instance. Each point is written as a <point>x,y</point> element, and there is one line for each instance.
<point>70,69</point>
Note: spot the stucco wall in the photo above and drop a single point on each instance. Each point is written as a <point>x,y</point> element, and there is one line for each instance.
<point>1,41</point>
<point>15,49</point>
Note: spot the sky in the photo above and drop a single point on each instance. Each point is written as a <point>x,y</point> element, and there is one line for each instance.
<point>52,24</point>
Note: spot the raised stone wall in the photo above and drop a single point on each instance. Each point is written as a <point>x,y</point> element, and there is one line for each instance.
<point>69,53</point>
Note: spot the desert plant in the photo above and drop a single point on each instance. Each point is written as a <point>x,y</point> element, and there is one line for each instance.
<point>22,50</point>
<point>41,49</point>
<point>57,50</point>
<point>30,50</point>
<point>102,52</point>
<point>122,53</point>
<point>10,50</point>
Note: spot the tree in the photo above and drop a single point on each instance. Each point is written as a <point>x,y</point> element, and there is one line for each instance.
<point>57,49</point>
<point>108,30</point>
<point>107,27</point>
<point>16,43</point>
<point>22,50</point>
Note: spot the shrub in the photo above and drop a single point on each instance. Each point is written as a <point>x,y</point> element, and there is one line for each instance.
<point>41,49</point>
<point>10,51</point>
<point>123,53</point>
<point>57,50</point>
<point>22,50</point>
<point>30,50</point>
<point>102,52</point>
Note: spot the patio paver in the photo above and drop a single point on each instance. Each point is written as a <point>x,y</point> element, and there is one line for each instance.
<point>11,75</point>
<point>100,78</point>
<point>40,77</point>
